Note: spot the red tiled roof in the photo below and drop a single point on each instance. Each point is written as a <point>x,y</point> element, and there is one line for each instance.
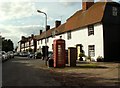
<point>49,32</point>
<point>80,19</point>
<point>38,37</point>
<point>44,34</point>
<point>83,18</point>
<point>60,29</point>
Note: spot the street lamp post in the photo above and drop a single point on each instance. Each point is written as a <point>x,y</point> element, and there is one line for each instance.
<point>45,35</point>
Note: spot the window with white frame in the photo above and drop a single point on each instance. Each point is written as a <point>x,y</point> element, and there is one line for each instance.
<point>91,50</point>
<point>47,39</point>
<point>114,11</point>
<point>69,35</point>
<point>90,30</point>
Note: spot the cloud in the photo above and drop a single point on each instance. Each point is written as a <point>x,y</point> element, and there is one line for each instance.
<point>16,10</point>
<point>15,32</point>
<point>40,0</point>
<point>70,3</point>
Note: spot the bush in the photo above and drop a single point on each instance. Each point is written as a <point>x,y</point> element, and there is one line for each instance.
<point>81,55</point>
<point>88,58</point>
<point>100,59</point>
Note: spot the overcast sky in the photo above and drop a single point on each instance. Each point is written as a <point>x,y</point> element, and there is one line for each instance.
<point>21,18</point>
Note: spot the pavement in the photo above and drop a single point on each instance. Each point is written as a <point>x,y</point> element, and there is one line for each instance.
<point>33,72</point>
<point>92,74</point>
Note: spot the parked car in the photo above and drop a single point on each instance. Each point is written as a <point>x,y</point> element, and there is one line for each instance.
<point>31,55</point>
<point>16,53</point>
<point>4,55</point>
<point>38,55</point>
<point>0,56</point>
<point>10,54</point>
<point>23,54</point>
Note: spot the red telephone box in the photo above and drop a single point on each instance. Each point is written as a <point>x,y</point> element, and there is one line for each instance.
<point>59,53</point>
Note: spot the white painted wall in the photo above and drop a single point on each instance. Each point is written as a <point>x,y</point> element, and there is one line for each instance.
<point>39,45</point>
<point>31,42</point>
<point>32,47</point>
<point>22,50</point>
<point>26,44</point>
<point>81,37</point>
<point>49,43</point>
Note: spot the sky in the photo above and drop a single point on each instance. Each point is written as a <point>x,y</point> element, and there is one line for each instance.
<point>20,18</point>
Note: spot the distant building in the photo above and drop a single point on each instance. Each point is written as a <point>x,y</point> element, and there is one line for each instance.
<point>27,43</point>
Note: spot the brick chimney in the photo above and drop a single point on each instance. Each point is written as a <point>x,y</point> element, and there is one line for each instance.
<point>40,32</point>
<point>48,27</point>
<point>87,4</point>
<point>23,37</point>
<point>32,35</point>
<point>57,23</point>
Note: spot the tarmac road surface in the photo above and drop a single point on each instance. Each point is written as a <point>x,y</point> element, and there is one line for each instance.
<point>22,71</point>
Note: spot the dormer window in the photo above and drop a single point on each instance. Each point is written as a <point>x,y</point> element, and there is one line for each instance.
<point>90,30</point>
<point>114,11</point>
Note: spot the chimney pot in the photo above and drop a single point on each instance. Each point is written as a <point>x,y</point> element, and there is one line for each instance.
<point>40,32</point>
<point>87,4</point>
<point>32,35</point>
<point>48,27</point>
<point>23,37</point>
<point>57,23</point>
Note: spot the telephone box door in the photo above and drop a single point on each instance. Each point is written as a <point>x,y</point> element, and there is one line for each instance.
<point>59,53</point>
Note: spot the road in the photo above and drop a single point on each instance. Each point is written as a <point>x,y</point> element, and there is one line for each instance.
<point>22,71</point>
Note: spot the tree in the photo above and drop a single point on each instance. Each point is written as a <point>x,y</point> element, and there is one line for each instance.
<point>7,45</point>
<point>10,45</point>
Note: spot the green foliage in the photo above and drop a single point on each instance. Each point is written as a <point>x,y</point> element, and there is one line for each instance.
<point>30,50</point>
<point>88,58</point>
<point>100,59</point>
<point>82,55</point>
<point>7,45</point>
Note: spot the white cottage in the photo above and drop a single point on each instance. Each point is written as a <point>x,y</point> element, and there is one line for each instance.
<point>96,27</point>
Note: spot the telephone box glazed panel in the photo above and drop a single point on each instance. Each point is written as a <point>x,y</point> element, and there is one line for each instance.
<point>59,53</point>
